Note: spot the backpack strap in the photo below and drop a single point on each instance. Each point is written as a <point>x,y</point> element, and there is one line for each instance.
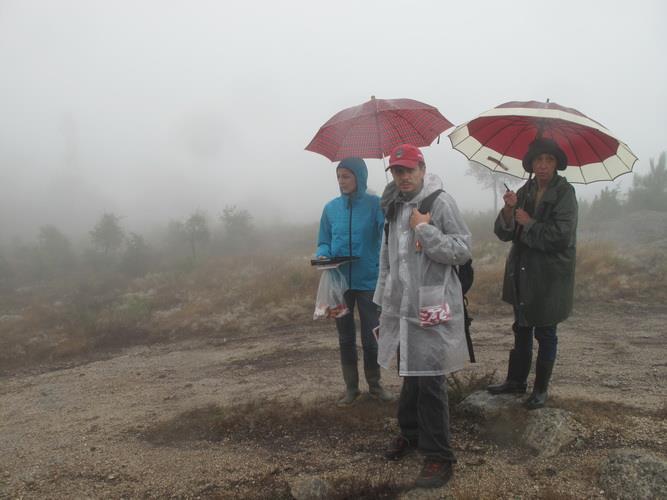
<point>427,203</point>
<point>424,207</point>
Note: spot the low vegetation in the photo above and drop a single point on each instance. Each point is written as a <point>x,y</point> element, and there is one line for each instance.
<point>95,310</point>
<point>102,305</point>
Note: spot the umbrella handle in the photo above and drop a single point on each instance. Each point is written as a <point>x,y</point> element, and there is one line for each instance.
<point>525,200</point>
<point>517,228</point>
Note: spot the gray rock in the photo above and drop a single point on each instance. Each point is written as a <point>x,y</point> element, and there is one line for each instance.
<point>634,474</point>
<point>548,430</point>
<point>482,404</point>
<point>10,318</point>
<point>311,488</point>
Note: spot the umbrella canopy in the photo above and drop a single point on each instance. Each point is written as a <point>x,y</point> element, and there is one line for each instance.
<point>374,128</point>
<point>499,138</point>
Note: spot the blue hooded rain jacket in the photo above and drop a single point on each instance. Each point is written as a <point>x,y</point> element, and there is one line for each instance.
<point>353,225</point>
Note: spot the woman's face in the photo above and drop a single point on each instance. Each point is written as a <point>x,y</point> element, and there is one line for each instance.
<point>346,180</point>
<point>544,167</point>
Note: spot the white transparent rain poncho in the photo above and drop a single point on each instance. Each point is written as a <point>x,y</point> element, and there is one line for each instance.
<point>419,291</point>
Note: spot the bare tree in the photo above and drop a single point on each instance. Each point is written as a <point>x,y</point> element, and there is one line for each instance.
<point>494,181</point>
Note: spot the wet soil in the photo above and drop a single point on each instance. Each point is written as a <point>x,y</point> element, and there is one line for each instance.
<point>256,412</point>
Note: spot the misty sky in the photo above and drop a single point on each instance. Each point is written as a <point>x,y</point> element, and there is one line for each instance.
<point>153,109</point>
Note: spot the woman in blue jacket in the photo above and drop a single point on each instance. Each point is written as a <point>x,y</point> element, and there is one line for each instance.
<point>352,225</point>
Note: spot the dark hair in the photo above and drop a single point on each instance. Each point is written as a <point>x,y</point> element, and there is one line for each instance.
<point>544,145</point>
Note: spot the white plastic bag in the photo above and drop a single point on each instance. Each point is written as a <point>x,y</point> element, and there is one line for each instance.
<point>330,302</point>
<point>433,309</point>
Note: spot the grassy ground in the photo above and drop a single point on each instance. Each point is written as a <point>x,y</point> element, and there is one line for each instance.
<point>213,381</point>
<point>66,321</point>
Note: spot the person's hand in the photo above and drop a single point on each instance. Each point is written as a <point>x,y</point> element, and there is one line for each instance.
<point>417,218</point>
<point>522,217</point>
<point>510,199</point>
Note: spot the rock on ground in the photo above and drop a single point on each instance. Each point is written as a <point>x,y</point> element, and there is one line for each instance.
<point>311,488</point>
<point>548,430</point>
<point>634,474</point>
<point>484,405</point>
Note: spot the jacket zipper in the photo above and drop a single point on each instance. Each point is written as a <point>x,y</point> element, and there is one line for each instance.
<point>350,243</point>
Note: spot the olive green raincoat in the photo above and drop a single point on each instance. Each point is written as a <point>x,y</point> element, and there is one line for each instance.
<point>539,273</point>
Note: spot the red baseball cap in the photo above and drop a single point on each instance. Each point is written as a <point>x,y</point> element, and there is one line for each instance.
<point>406,155</point>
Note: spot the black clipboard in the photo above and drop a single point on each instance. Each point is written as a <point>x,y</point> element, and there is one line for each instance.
<point>331,262</point>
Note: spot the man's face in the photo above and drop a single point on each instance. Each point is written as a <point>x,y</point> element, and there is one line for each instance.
<point>544,166</point>
<point>346,180</point>
<point>408,180</point>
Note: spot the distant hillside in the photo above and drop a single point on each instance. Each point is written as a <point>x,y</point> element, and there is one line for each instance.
<point>645,227</point>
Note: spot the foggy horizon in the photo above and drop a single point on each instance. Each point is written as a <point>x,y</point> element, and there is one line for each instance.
<point>154,110</point>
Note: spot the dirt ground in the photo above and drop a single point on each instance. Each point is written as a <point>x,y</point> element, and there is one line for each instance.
<point>85,430</point>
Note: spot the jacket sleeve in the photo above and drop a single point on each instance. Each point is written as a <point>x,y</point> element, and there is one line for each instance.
<point>324,236</point>
<point>379,221</point>
<point>446,239</point>
<point>383,267</point>
<point>382,275</point>
<point>503,231</point>
<point>556,233</point>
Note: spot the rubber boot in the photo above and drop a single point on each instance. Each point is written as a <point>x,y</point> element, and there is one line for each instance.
<point>539,395</point>
<point>351,378</point>
<point>517,374</point>
<point>374,388</point>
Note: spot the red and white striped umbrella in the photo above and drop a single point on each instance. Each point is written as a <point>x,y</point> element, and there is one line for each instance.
<point>374,128</point>
<point>499,139</point>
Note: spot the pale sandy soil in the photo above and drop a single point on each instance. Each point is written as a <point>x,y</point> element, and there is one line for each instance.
<point>78,432</point>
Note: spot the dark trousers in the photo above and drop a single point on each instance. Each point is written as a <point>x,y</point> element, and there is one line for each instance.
<point>423,415</point>
<point>546,338</point>
<point>347,333</point>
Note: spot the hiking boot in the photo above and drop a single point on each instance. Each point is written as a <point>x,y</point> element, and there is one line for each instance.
<point>398,448</point>
<point>507,387</point>
<point>349,397</point>
<point>517,373</point>
<point>352,392</point>
<point>538,398</point>
<point>434,474</point>
<point>374,388</point>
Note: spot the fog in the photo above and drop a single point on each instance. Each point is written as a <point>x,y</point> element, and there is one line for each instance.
<point>155,109</point>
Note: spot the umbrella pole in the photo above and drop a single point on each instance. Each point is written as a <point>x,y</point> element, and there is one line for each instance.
<point>525,199</point>
<point>377,127</point>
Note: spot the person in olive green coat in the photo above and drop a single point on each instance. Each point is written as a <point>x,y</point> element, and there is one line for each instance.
<point>541,221</point>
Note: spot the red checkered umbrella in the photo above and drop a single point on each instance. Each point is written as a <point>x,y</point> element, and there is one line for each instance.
<point>499,138</point>
<point>374,128</point>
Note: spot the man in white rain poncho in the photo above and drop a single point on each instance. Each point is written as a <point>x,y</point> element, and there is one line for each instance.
<point>422,309</point>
